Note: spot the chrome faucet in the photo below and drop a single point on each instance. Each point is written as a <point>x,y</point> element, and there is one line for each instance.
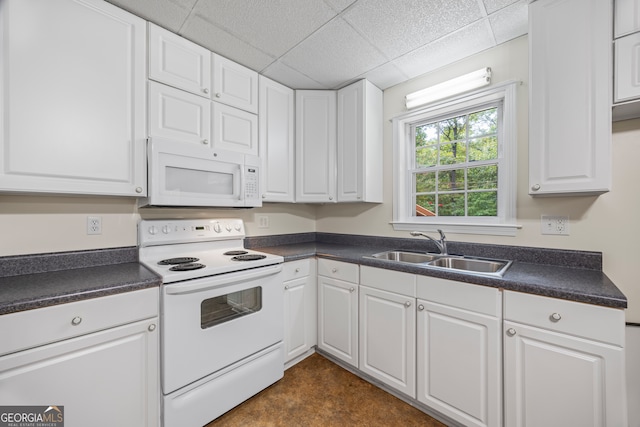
<point>440,243</point>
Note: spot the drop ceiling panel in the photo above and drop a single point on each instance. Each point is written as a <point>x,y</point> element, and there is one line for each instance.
<point>385,76</point>
<point>289,77</point>
<point>339,5</point>
<point>510,22</point>
<point>169,14</point>
<point>495,5</point>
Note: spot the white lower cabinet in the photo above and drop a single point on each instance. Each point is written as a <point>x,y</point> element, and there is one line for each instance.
<point>459,349</point>
<point>387,328</point>
<point>338,309</point>
<point>110,359</point>
<point>300,308</point>
<point>564,363</point>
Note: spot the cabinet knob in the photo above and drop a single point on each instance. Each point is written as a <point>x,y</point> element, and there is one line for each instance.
<point>555,317</point>
<point>286,286</point>
<point>352,289</point>
<point>407,304</point>
<point>152,327</point>
<point>138,190</point>
<point>511,332</point>
<point>535,187</point>
<point>421,307</point>
<point>76,321</point>
<point>334,270</point>
<point>205,141</point>
<point>218,95</point>
<point>205,90</point>
<point>297,270</point>
<point>330,197</point>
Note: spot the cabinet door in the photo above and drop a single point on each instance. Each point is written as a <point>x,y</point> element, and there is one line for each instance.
<point>553,379</point>
<point>338,319</point>
<point>299,317</point>
<point>387,338</point>
<point>178,115</point>
<point>276,140</point>
<point>570,96</point>
<point>73,98</point>
<point>234,129</point>
<point>627,17</point>
<point>627,68</point>
<point>116,367</point>
<point>459,364</point>
<point>315,146</point>
<point>234,84</point>
<point>179,62</point>
<point>359,152</point>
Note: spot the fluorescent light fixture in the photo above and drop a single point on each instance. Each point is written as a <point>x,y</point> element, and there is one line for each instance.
<point>449,88</point>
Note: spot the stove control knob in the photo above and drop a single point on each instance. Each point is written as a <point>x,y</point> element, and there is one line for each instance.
<point>228,227</point>
<point>238,227</point>
<point>153,230</point>
<point>216,227</point>
<point>166,229</point>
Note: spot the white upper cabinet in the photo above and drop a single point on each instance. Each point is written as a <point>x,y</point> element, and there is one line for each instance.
<point>315,146</point>
<point>234,84</point>
<point>178,115</point>
<point>178,62</point>
<point>73,98</point>
<point>359,152</point>
<point>570,97</point>
<point>626,87</point>
<point>627,17</point>
<point>276,141</point>
<point>234,129</point>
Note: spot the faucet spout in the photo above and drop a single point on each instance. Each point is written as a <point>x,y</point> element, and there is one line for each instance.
<point>440,243</point>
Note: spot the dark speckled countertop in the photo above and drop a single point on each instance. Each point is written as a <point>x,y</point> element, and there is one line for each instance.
<point>35,281</point>
<point>565,274</point>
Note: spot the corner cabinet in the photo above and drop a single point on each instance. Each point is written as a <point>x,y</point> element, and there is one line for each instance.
<point>300,309</point>
<point>570,97</point>
<point>73,98</point>
<point>564,363</point>
<point>315,146</point>
<point>276,140</point>
<point>359,151</point>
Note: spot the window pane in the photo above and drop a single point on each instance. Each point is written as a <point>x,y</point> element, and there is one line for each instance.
<point>451,204</point>
<point>482,178</point>
<point>425,182</point>
<point>483,148</point>
<point>426,205</point>
<point>454,129</point>
<point>453,153</point>
<point>483,203</point>
<point>426,135</point>
<point>451,180</point>
<point>483,122</point>
<point>427,157</point>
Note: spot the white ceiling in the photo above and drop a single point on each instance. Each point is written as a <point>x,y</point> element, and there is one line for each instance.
<point>325,44</point>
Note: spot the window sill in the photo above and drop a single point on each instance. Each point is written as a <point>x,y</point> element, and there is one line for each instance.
<point>487,229</point>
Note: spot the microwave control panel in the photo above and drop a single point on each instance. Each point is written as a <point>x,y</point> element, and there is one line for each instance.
<point>251,183</point>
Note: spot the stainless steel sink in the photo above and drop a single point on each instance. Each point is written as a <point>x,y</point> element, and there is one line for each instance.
<point>460,264</point>
<point>472,265</point>
<point>408,257</point>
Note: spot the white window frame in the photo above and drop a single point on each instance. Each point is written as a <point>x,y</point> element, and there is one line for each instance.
<point>404,152</point>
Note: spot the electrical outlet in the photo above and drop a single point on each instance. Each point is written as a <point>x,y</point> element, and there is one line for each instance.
<point>94,225</point>
<point>558,225</point>
<point>263,221</point>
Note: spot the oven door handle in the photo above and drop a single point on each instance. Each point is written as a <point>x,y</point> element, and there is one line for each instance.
<point>206,283</point>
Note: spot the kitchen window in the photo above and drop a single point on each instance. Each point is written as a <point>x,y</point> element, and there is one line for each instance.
<point>455,164</point>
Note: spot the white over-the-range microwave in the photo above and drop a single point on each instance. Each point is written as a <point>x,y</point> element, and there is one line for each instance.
<point>183,175</point>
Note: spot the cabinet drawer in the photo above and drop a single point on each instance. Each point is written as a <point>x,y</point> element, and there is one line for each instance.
<point>388,280</point>
<point>339,270</point>
<point>294,269</point>
<point>33,328</point>
<point>480,299</point>
<point>584,320</point>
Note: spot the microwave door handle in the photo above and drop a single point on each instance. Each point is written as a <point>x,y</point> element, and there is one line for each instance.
<point>240,183</point>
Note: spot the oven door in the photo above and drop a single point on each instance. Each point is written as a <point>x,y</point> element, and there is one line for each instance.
<point>183,174</point>
<point>213,322</point>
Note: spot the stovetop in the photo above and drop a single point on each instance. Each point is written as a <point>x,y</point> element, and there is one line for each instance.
<point>180,250</point>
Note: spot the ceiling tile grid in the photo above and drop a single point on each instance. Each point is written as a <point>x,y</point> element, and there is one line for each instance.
<point>313,44</point>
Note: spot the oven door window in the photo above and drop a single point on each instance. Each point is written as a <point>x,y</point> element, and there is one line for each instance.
<point>224,308</point>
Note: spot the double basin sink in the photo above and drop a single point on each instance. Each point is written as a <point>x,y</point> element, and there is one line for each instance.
<point>457,263</point>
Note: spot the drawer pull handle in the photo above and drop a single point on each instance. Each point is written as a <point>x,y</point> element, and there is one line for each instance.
<point>352,289</point>
<point>407,304</point>
<point>76,321</point>
<point>152,327</point>
<point>511,332</point>
<point>555,317</point>
<point>421,307</point>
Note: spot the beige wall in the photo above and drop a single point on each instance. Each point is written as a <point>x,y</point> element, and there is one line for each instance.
<point>36,224</point>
